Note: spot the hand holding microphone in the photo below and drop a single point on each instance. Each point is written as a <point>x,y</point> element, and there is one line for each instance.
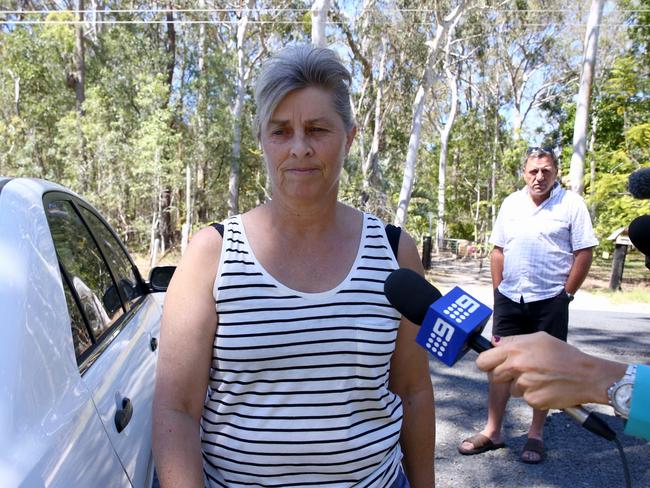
<point>452,324</point>
<point>548,372</point>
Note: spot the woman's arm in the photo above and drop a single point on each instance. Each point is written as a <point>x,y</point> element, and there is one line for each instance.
<point>187,334</point>
<point>409,378</point>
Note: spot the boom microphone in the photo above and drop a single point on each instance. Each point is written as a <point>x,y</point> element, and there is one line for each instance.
<point>452,324</point>
<point>639,234</point>
<point>639,183</point>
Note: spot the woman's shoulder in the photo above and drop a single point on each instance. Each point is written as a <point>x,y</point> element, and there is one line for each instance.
<point>203,249</point>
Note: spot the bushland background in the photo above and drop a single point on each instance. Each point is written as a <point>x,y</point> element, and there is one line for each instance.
<point>145,108</point>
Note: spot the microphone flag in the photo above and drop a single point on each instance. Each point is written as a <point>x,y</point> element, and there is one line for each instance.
<point>449,323</point>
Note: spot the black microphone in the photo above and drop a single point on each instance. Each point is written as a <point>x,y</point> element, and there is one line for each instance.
<point>419,301</point>
<point>639,234</point>
<point>639,183</point>
<point>449,325</point>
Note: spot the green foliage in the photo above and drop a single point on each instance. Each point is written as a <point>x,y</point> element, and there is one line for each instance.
<point>129,149</point>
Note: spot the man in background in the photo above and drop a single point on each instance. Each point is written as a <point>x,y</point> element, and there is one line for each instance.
<point>543,246</point>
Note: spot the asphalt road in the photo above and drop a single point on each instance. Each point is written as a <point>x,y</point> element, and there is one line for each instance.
<point>574,457</point>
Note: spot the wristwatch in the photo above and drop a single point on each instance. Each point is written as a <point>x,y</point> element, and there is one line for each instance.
<point>620,393</point>
<point>570,296</point>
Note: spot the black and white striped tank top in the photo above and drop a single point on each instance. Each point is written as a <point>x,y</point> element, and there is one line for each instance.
<point>298,393</point>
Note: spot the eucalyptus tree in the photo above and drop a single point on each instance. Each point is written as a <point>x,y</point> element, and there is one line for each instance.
<point>536,68</point>
<point>319,11</point>
<point>373,38</point>
<point>577,170</point>
<point>451,74</point>
<point>443,24</point>
<point>622,109</point>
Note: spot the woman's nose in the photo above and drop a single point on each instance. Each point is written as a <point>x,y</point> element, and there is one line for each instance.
<point>300,146</point>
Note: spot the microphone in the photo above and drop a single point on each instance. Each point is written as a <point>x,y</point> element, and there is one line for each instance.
<point>639,183</point>
<point>452,324</point>
<point>639,233</point>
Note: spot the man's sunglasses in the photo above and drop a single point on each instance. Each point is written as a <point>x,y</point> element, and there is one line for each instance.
<point>540,150</point>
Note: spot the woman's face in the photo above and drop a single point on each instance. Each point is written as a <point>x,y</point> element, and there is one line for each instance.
<point>304,144</point>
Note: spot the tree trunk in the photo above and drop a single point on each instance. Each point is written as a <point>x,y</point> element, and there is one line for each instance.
<point>445,131</point>
<point>370,167</point>
<point>418,108</point>
<point>240,92</point>
<point>319,22</point>
<point>618,266</point>
<point>187,225</point>
<point>80,95</point>
<point>166,193</point>
<point>80,61</point>
<point>200,203</point>
<point>577,171</point>
<point>493,177</point>
<point>16,80</point>
<point>592,168</point>
<point>171,48</point>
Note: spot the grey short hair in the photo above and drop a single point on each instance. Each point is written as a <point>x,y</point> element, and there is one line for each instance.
<point>298,67</point>
<point>541,152</point>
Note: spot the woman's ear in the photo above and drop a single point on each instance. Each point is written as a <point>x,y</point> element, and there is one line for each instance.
<point>350,138</point>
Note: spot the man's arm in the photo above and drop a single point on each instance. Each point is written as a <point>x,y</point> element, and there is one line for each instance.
<point>579,270</point>
<point>496,266</point>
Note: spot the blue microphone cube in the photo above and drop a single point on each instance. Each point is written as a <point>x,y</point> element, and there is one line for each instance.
<point>449,323</point>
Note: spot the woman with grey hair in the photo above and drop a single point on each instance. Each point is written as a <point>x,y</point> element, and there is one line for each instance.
<point>281,361</point>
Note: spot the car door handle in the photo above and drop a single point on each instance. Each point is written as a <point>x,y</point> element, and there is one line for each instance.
<point>123,415</point>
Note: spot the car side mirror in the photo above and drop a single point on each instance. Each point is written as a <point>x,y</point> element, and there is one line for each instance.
<point>160,276</point>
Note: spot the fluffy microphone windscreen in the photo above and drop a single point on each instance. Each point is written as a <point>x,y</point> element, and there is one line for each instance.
<point>410,294</point>
<point>639,183</point>
<point>639,233</point>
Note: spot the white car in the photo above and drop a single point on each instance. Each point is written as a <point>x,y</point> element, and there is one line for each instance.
<point>79,332</point>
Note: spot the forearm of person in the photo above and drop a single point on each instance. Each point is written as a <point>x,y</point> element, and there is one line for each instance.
<point>496,266</point>
<point>187,332</point>
<point>549,373</point>
<point>410,379</point>
<point>418,438</point>
<point>177,449</point>
<point>579,270</point>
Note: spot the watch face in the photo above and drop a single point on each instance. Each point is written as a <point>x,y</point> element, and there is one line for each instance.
<point>623,397</point>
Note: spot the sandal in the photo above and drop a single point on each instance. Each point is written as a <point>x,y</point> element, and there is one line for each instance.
<point>532,445</point>
<point>481,444</point>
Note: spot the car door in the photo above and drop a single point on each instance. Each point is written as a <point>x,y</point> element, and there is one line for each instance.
<point>116,344</point>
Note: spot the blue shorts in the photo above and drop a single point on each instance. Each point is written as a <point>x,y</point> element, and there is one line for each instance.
<point>401,481</point>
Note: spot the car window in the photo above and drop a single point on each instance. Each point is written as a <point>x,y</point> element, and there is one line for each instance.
<point>128,282</point>
<point>80,334</point>
<point>82,261</point>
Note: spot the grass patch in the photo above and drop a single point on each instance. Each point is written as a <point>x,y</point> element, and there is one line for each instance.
<point>633,294</point>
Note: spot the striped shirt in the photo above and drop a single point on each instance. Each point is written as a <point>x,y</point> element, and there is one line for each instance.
<point>539,241</point>
<point>298,393</point>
